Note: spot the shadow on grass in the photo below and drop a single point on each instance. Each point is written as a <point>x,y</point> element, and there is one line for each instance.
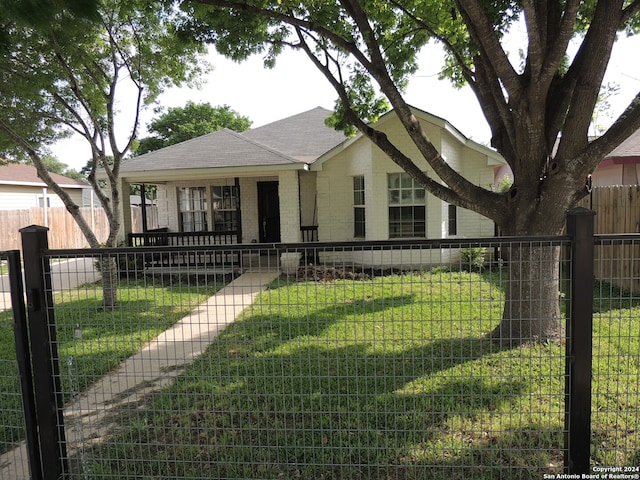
<point>90,341</point>
<point>607,297</point>
<point>278,396</point>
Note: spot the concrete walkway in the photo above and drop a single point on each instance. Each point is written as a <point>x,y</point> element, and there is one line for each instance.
<point>88,418</point>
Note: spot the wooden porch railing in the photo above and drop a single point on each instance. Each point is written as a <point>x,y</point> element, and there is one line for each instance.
<point>161,237</point>
<point>309,233</point>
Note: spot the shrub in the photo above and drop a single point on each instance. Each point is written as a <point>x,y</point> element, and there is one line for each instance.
<point>472,259</point>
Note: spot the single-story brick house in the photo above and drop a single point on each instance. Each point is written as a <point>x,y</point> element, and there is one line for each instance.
<point>298,180</point>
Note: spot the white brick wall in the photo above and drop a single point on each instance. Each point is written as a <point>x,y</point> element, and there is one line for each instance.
<point>335,187</point>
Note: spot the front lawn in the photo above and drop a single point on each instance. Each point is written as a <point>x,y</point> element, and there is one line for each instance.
<point>92,341</point>
<point>390,378</point>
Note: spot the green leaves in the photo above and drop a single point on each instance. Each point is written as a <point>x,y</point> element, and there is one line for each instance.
<point>38,14</point>
<point>193,120</point>
<point>363,100</point>
<point>69,76</point>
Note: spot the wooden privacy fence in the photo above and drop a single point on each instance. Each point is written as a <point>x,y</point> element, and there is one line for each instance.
<point>63,230</point>
<point>617,211</point>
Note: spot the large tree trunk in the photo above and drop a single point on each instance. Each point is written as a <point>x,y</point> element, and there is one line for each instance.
<point>532,308</point>
<point>532,293</point>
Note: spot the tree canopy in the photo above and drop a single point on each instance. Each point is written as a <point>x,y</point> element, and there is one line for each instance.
<point>368,50</point>
<point>76,74</point>
<point>538,99</point>
<point>193,120</point>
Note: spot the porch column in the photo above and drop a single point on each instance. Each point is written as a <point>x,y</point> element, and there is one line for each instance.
<point>143,206</point>
<point>288,191</point>
<point>125,212</point>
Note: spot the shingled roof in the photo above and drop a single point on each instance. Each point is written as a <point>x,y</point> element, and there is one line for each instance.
<point>304,137</point>
<point>20,174</point>
<point>223,148</point>
<point>629,148</point>
<point>299,139</point>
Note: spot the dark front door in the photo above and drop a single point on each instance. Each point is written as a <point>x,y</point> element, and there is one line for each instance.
<point>269,212</point>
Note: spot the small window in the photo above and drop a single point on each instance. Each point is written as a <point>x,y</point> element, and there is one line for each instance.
<point>407,211</point>
<point>453,220</point>
<point>41,202</point>
<point>359,224</point>
<point>192,202</point>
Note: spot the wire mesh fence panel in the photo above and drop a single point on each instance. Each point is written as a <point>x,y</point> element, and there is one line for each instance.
<point>616,357</point>
<point>12,426</point>
<point>334,362</point>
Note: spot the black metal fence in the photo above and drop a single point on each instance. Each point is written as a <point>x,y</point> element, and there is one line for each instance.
<point>370,360</point>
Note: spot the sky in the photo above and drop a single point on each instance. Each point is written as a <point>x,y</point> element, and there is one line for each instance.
<point>295,86</point>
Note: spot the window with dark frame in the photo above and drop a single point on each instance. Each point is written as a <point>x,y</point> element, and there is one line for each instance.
<point>225,208</point>
<point>359,224</point>
<point>192,203</point>
<point>407,207</point>
<point>453,220</point>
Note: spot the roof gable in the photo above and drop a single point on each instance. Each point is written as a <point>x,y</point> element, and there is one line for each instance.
<point>492,156</point>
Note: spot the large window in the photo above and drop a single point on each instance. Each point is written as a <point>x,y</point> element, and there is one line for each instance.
<point>358,207</point>
<point>225,208</point>
<point>193,209</point>
<point>407,213</point>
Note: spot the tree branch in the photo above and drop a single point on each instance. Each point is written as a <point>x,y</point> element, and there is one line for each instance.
<point>474,198</point>
<point>349,46</point>
<point>467,73</point>
<point>536,31</point>
<point>558,42</point>
<point>589,66</point>
<point>629,11</point>
<point>483,33</point>
<point>626,124</point>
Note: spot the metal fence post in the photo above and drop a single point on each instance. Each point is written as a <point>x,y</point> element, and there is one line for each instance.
<point>580,226</point>
<point>44,355</point>
<point>23,356</point>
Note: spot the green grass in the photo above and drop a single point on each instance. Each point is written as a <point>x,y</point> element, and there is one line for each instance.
<point>385,379</point>
<point>391,378</point>
<point>92,341</point>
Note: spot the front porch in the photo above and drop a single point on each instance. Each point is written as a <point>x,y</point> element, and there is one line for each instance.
<point>188,250</point>
<point>230,211</point>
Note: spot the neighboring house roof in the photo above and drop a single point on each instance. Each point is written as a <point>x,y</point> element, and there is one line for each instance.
<point>293,141</point>
<point>628,151</point>
<point>27,175</point>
